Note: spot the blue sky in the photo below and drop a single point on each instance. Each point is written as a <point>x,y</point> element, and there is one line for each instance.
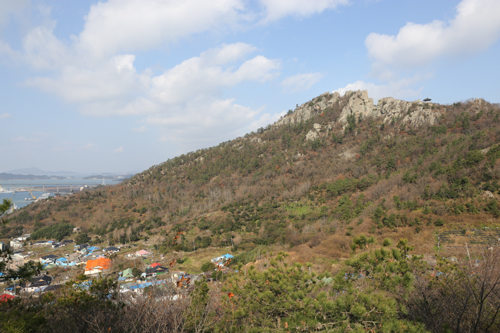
<point>120,85</point>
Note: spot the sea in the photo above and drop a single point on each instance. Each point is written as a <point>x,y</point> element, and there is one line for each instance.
<point>36,188</point>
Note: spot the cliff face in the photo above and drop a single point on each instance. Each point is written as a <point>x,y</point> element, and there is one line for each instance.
<point>413,114</point>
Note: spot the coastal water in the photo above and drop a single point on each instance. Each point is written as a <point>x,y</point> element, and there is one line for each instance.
<point>36,188</point>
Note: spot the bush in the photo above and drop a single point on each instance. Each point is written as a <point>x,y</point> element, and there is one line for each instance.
<point>208,266</point>
<point>361,242</point>
<point>387,242</point>
<point>439,223</point>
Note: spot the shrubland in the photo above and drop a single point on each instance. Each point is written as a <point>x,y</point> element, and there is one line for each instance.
<point>329,234</point>
<point>274,187</point>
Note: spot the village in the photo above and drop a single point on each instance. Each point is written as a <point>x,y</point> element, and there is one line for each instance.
<point>135,270</point>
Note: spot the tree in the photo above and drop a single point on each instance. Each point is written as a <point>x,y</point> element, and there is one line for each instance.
<point>5,206</point>
<point>464,297</point>
<point>208,267</point>
<point>4,255</point>
<point>82,238</point>
<point>25,272</point>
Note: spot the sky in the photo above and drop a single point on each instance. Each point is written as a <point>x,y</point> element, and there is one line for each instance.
<point>121,85</point>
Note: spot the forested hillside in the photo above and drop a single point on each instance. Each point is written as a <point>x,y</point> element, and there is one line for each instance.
<point>332,168</point>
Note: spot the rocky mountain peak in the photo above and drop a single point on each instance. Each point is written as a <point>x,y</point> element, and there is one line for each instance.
<point>358,103</point>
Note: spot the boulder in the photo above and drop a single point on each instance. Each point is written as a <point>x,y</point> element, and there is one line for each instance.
<point>312,135</point>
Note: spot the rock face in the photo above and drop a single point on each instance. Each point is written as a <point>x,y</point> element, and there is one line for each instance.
<point>312,135</point>
<point>359,104</point>
<point>306,111</point>
<point>412,114</point>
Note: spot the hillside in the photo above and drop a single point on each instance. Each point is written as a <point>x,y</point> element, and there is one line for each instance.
<point>333,168</point>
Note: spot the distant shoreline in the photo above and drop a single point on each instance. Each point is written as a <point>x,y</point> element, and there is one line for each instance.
<point>11,176</point>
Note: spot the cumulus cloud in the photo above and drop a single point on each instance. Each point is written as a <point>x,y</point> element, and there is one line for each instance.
<point>401,89</point>
<point>4,115</point>
<point>118,150</point>
<point>96,69</point>
<point>118,26</point>
<point>475,27</point>
<point>277,9</point>
<point>301,82</point>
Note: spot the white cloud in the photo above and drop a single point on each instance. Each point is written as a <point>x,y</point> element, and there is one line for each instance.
<point>301,82</point>
<point>109,82</point>
<point>204,76</point>
<point>401,89</point>
<point>140,129</point>
<point>118,150</point>
<point>96,69</point>
<point>119,26</point>
<point>475,27</point>
<point>4,115</point>
<point>277,9</point>
<point>115,88</point>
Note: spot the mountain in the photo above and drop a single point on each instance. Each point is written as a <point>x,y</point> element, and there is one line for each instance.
<point>332,169</point>
<point>37,171</point>
<point>10,176</point>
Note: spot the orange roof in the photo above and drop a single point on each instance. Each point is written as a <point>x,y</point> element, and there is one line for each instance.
<point>99,263</point>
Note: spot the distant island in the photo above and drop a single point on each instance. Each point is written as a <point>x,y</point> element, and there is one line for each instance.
<point>109,177</point>
<point>12,176</point>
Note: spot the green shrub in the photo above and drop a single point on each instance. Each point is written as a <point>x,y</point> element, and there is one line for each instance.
<point>207,266</point>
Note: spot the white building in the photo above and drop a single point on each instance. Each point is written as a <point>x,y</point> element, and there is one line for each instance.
<point>16,244</point>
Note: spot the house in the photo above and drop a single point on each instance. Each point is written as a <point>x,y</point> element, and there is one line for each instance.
<point>155,269</point>
<point>93,248</point>
<point>139,288</point>
<point>76,229</point>
<point>67,241</point>
<point>49,259</point>
<point>222,259</point>
<point>175,275</point>
<point>127,273</point>
<point>43,243</point>
<point>16,244</point>
<point>62,261</point>
<point>14,289</point>
<point>3,246</point>
<point>81,248</point>
<point>20,255</point>
<point>97,266</point>
<point>53,287</point>
<point>39,282</point>
<point>111,249</point>
<point>23,237</point>
<point>57,245</point>
<point>142,253</point>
